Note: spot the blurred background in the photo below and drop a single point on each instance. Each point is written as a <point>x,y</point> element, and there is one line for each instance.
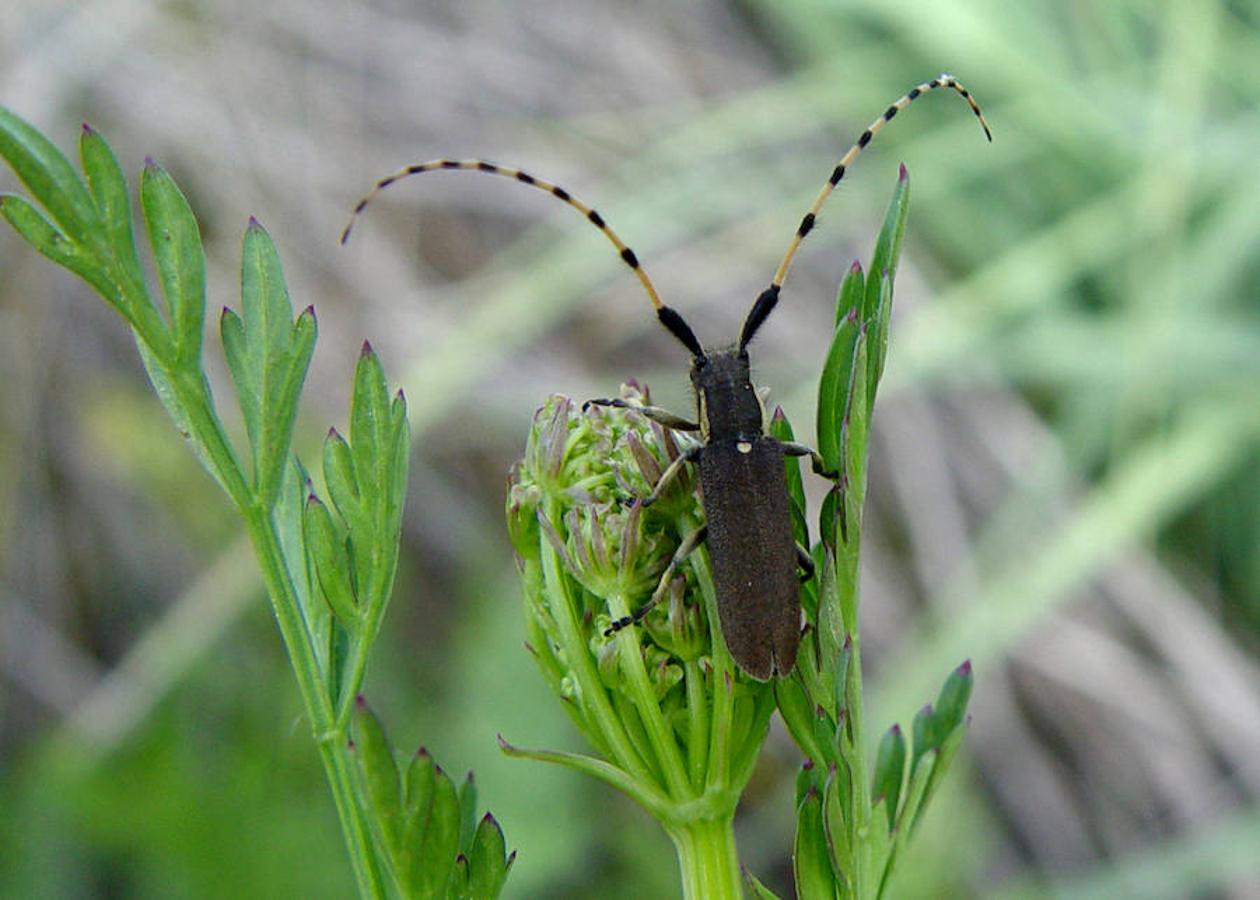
<point>1065,483</point>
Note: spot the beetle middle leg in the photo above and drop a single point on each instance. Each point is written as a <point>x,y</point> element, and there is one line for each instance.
<point>792,448</point>
<point>685,549</point>
<point>691,454</point>
<point>806,562</point>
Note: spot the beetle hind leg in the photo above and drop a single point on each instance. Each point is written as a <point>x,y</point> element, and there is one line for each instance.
<point>685,549</point>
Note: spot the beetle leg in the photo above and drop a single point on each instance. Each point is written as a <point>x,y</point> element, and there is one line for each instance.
<point>685,549</point>
<point>791,448</point>
<point>655,413</point>
<point>806,562</point>
<point>691,454</point>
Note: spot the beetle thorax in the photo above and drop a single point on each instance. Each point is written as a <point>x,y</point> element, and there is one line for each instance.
<point>727,403</point>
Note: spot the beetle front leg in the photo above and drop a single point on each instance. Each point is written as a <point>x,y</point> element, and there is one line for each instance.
<point>792,448</point>
<point>685,549</point>
<point>655,413</point>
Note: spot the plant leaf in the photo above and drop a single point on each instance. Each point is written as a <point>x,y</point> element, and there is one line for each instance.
<point>108,185</point>
<point>326,547</point>
<point>488,862</point>
<point>888,245</point>
<point>36,229</point>
<point>890,771</point>
<point>834,384</point>
<point>51,179</point>
<point>181,261</point>
<point>380,774</point>
<point>811,862</point>
<point>268,355</point>
<point>441,837</point>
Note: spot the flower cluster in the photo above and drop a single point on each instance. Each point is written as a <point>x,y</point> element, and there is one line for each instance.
<point>677,726</point>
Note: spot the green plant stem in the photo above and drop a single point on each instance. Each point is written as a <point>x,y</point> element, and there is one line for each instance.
<point>707,859</point>
<point>319,708</point>
<point>660,733</point>
<point>193,395</point>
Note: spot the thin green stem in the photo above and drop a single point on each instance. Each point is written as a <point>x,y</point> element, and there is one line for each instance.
<point>660,733</point>
<point>319,708</point>
<point>698,724</point>
<point>707,859</point>
<point>719,774</point>
<point>193,396</point>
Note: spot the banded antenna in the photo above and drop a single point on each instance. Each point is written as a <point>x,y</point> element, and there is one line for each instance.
<point>807,223</point>
<point>480,165</point>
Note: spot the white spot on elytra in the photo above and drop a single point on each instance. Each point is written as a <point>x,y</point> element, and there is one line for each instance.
<point>744,447</point>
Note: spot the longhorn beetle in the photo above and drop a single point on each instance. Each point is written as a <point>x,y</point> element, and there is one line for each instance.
<point>742,477</point>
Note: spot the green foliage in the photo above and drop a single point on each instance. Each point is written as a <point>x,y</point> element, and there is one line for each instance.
<point>433,845</point>
<point>853,819</point>
<point>329,579</point>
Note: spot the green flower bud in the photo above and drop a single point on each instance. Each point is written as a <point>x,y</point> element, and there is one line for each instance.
<point>659,699</point>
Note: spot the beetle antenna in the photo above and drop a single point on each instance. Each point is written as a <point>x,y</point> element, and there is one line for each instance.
<point>807,223</point>
<point>489,168</point>
<point>759,313</point>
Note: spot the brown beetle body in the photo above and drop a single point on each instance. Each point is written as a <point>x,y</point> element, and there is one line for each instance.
<point>753,553</point>
<point>744,492</point>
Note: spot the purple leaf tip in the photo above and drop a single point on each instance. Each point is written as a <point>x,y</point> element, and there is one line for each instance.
<point>896,729</point>
<point>902,174</point>
<point>366,349</point>
<point>149,163</point>
<point>856,267</point>
<point>965,668</point>
<point>88,130</point>
<point>360,701</point>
